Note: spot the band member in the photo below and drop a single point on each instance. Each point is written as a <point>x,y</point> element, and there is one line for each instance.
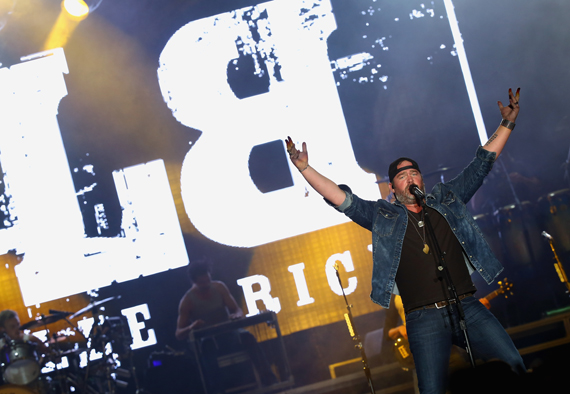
<point>404,261</point>
<point>208,302</point>
<point>10,331</point>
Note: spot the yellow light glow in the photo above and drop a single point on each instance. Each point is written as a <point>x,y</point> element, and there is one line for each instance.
<point>61,31</point>
<point>76,8</point>
<point>72,13</point>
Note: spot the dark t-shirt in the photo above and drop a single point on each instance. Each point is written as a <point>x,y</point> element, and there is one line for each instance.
<point>418,279</point>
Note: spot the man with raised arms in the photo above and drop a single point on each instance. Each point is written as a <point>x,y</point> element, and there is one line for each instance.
<point>405,261</point>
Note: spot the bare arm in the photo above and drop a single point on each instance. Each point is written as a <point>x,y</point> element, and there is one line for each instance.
<point>498,140</point>
<point>185,324</point>
<point>324,186</point>
<point>229,301</point>
<point>41,346</point>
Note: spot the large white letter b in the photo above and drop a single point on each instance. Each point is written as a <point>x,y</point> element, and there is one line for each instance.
<point>247,79</point>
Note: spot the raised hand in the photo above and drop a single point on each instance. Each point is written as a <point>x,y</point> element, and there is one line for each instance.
<point>299,158</point>
<point>511,111</point>
<point>324,186</point>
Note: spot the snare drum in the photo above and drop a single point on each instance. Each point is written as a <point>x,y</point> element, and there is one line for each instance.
<point>19,362</point>
<point>13,389</point>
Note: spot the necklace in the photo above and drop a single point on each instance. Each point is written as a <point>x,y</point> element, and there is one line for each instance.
<point>421,225</point>
<point>420,222</point>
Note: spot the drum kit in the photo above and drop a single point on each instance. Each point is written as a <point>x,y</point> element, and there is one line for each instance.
<point>514,231</point>
<point>92,364</point>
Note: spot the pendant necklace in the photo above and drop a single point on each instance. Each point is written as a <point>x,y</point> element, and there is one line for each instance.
<point>421,225</point>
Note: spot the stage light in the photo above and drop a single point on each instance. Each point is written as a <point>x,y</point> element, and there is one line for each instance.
<point>76,8</point>
<point>80,8</point>
<point>72,13</point>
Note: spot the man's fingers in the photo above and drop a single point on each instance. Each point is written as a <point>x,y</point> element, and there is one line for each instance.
<point>514,98</point>
<point>290,145</point>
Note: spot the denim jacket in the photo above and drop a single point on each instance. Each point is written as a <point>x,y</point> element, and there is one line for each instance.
<point>388,222</point>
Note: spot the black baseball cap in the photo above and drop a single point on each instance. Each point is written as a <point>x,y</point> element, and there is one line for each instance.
<point>394,170</point>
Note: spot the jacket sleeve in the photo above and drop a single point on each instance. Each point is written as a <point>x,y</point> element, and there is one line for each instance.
<point>471,178</point>
<point>358,210</point>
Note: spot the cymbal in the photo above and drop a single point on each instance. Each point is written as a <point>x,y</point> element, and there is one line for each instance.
<point>66,339</point>
<point>92,306</point>
<point>73,352</point>
<point>42,321</point>
<point>56,355</point>
<point>439,171</point>
<point>383,180</point>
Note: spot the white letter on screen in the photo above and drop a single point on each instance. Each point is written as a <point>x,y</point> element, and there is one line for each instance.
<point>34,159</point>
<point>136,327</point>
<point>346,260</point>
<point>296,90</point>
<point>264,294</point>
<point>301,283</point>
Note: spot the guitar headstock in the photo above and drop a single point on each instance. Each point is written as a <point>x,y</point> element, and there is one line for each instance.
<point>505,287</point>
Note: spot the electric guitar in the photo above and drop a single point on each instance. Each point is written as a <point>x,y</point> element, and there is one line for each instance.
<point>402,346</point>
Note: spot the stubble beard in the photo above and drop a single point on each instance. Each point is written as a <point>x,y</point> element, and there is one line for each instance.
<point>405,197</point>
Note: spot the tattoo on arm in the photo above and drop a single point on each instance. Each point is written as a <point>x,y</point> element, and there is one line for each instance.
<point>491,139</point>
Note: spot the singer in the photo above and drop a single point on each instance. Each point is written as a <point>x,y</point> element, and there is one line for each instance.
<point>404,262</point>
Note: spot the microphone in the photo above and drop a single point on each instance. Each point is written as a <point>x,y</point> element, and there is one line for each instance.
<point>546,235</point>
<point>415,190</point>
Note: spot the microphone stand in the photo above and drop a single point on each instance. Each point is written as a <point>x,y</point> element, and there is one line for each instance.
<point>558,264</point>
<point>442,267</point>
<point>355,336</point>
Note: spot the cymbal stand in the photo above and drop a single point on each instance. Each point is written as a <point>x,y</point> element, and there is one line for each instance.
<point>85,386</point>
<point>63,386</point>
<point>70,380</point>
<point>519,207</point>
<point>95,329</point>
<point>42,361</point>
<point>124,342</point>
<point>138,388</point>
<point>355,336</point>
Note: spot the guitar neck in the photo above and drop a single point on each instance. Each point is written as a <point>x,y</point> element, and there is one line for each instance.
<point>493,294</point>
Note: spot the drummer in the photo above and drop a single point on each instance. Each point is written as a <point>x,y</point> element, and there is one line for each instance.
<point>10,330</point>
